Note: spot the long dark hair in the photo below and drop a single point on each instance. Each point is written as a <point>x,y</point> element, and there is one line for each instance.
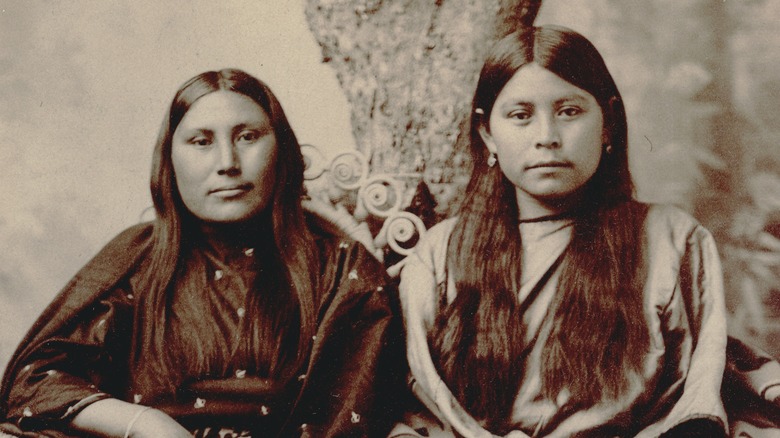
<point>287,316</point>
<point>599,330</point>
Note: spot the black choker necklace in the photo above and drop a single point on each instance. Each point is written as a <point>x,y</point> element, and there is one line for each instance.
<point>552,217</point>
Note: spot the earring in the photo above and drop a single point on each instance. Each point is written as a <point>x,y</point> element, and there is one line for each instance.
<point>608,148</point>
<point>492,159</point>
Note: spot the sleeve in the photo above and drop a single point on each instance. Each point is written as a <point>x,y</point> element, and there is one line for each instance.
<point>694,330</point>
<point>420,299</point>
<point>357,366</point>
<point>750,390</point>
<point>80,364</point>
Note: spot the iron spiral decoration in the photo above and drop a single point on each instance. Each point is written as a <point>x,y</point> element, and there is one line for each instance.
<point>403,230</point>
<point>349,170</point>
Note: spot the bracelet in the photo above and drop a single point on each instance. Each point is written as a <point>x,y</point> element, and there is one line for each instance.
<point>134,419</point>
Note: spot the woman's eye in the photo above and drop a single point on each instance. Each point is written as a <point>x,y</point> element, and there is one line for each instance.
<point>248,136</point>
<point>520,115</point>
<point>200,141</point>
<point>570,111</point>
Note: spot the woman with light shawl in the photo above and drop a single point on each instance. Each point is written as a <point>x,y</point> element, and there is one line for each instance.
<point>554,304</point>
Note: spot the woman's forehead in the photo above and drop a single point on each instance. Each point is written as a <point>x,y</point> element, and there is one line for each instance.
<point>223,108</point>
<point>533,83</point>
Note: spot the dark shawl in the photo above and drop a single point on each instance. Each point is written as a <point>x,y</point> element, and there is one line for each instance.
<point>357,357</point>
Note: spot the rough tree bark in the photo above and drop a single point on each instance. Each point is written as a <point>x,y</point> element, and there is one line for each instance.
<point>408,69</point>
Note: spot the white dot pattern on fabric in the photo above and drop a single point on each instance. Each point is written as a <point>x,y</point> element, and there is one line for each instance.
<point>380,289</point>
<point>563,397</point>
<point>352,275</point>
<point>264,410</point>
<point>355,417</point>
<point>200,403</point>
<point>27,367</point>
<point>314,338</point>
<point>218,274</point>
<point>343,245</point>
<point>27,412</point>
<point>240,374</point>
<point>302,377</point>
<point>241,312</point>
<point>50,373</point>
<point>130,296</point>
<point>137,398</point>
<point>249,252</point>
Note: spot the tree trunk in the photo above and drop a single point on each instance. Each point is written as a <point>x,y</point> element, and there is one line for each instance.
<point>408,69</point>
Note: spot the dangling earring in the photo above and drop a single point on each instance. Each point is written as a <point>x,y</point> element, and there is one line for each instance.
<point>492,159</point>
<point>608,148</point>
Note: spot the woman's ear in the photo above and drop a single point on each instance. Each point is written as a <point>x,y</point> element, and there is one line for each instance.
<point>608,115</point>
<point>605,137</point>
<point>487,139</point>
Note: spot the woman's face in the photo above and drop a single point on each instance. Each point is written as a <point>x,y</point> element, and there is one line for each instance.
<point>224,154</point>
<point>548,137</point>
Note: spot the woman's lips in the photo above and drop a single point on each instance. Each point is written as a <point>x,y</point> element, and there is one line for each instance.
<point>549,164</point>
<point>231,191</point>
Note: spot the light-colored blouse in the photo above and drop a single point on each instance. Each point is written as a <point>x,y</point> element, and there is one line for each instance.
<point>684,309</point>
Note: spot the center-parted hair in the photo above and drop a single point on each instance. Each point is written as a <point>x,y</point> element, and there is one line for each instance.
<point>599,331</point>
<point>283,315</point>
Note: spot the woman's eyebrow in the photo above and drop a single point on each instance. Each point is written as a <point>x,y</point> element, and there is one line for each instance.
<point>261,127</point>
<point>574,97</point>
<point>196,130</point>
<point>517,103</point>
<point>577,98</point>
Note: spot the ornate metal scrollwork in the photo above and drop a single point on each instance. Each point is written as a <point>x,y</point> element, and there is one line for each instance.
<point>348,199</point>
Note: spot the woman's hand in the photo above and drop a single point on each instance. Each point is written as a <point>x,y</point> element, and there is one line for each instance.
<point>117,418</point>
<point>154,423</point>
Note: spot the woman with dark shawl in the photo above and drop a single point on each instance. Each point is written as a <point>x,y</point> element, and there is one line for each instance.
<point>226,315</point>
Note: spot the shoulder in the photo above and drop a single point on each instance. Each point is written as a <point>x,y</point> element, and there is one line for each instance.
<point>442,230</point>
<point>104,271</point>
<point>679,250</point>
<point>343,251</point>
<point>347,267</point>
<point>116,260</point>
<point>671,217</point>
<point>432,248</point>
<point>136,236</point>
<point>423,271</point>
<point>674,227</point>
<point>121,253</point>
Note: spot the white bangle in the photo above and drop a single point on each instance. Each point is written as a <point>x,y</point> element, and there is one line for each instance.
<point>134,419</point>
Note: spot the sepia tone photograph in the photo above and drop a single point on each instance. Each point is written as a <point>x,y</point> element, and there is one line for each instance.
<point>390,218</point>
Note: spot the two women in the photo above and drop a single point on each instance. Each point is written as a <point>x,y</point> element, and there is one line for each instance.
<point>225,316</point>
<point>555,305</point>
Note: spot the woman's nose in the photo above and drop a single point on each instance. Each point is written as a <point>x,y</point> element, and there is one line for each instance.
<point>547,133</point>
<point>229,160</point>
